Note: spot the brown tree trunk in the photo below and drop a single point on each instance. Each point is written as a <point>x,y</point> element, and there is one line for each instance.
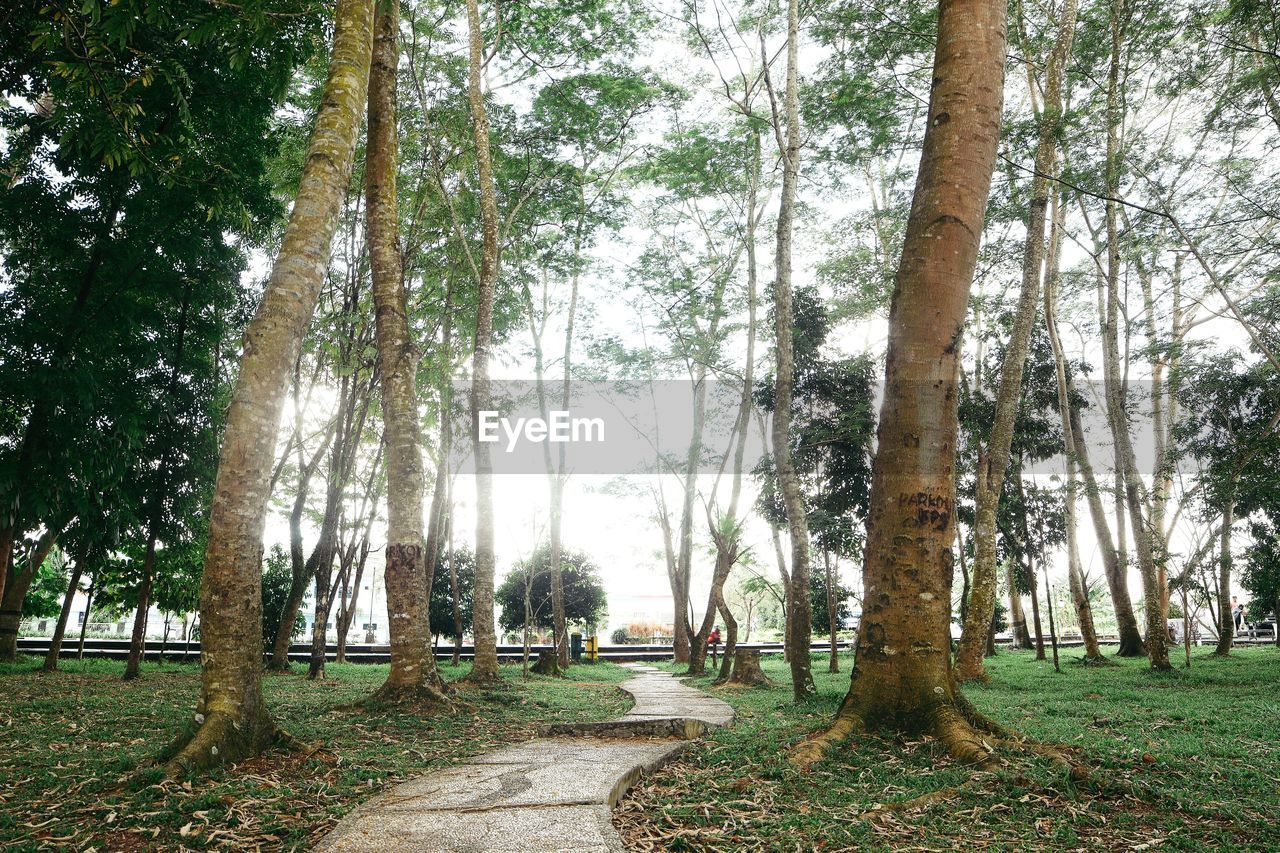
<point>800,609</point>
<point>15,593</point>
<point>138,641</point>
<point>231,719</point>
<point>484,666</point>
<point>55,644</point>
<point>730,641</point>
<point>903,679</point>
<point>84,625</point>
<point>1226,619</point>
<point>413,672</point>
<point>994,460</point>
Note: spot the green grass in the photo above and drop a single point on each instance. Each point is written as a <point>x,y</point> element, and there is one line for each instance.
<point>75,750</point>
<point>1182,761</point>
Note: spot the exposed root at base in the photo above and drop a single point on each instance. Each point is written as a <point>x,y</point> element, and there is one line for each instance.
<point>409,694</point>
<point>810,751</point>
<point>1076,771</point>
<point>479,681</point>
<point>222,739</point>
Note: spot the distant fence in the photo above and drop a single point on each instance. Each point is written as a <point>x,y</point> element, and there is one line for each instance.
<point>381,652</point>
<point>155,650</point>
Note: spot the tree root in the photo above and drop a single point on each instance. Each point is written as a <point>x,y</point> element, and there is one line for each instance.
<point>811,750</point>
<point>1076,771</point>
<point>480,681</point>
<point>223,739</point>
<point>409,694</point>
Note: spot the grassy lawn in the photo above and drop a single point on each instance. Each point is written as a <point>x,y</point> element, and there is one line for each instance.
<point>72,744</point>
<point>1192,760</point>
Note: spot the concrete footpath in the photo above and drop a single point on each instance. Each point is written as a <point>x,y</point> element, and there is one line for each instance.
<point>553,793</point>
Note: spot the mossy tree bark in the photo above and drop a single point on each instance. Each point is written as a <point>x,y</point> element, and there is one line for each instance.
<point>903,678</point>
<point>413,672</point>
<point>993,460</point>
<point>231,718</point>
<point>484,667</point>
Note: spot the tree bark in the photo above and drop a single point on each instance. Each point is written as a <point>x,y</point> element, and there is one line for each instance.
<point>15,593</point>
<point>231,719</point>
<point>832,622</point>
<point>1151,567</point>
<point>800,609</point>
<point>139,638</point>
<point>1131,644</point>
<point>55,644</point>
<point>484,667</point>
<point>994,461</point>
<point>413,672</point>
<point>1017,615</point>
<point>903,679</point>
<point>1075,574</point>
<point>1226,619</point>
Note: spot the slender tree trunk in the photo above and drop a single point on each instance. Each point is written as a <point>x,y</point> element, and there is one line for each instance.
<point>231,719</point>
<point>1035,609</point>
<point>484,667</point>
<point>903,677</point>
<point>1226,619</point>
<point>55,644</point>
<point>1075,574</point>
<point>1053,629</point>
<point>1131,644</point>
<point>800,609</point>
<point>413,672</point>
<point>730,641</point>
<point>84,625</point>
<point>832,622</point>
<point>1150,566</point>
<point>994,461</point>
<point>137,642</point>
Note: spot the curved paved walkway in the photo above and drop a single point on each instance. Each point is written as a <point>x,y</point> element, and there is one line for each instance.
<point>553,793</point>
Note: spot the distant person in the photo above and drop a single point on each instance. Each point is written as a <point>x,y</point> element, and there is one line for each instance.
<point>713,643</point>
<point>1238,613</point>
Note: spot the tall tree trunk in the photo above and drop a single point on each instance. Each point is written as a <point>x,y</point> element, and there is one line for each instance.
<point>1150,565</point>
<point>231,717</point>
<point>55,644</point>
<point>994,461</point>
<point>903,677</point>
<point>1075,574</point>
<point>800,609</point>
<point>1035,608</point>
<point>413,672</point>
<point>730,641</point>
<point>484,667</point>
